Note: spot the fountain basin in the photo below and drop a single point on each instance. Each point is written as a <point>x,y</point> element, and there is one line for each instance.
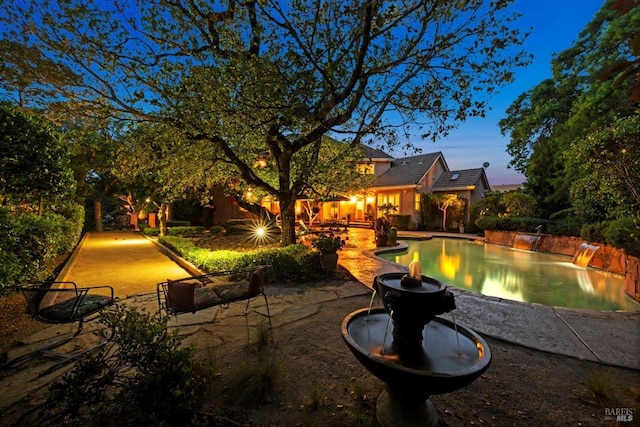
<point>436,367</point>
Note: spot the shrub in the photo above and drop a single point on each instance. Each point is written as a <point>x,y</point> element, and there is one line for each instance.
<point>253,383</point>
<point>142,374</point>
<point>624,233</point>
<point>238,226</point>
<point>594,232</point>
<point>185,231</point>
<point>508,223</point>
<point>291,263</point>
<point>566,227</point>
<point>401,222</point>
<point>149,231</point>
<point>35,242</point>
<point>178,223</point>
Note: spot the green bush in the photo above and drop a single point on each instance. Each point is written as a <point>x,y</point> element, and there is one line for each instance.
<point>566,227</point>
<point>401,222</point>
<point>178,223</point>
<point>509,223</point>
<point>31,244</point>
<point>185,231</point>
<point>624,233</point>
<point>150,231</point>
<point>143,375</point>
<point>594,232</point>
<point>296,263</point>
<point>239,226</point>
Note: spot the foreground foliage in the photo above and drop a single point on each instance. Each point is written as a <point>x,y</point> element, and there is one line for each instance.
<point>143,376</point>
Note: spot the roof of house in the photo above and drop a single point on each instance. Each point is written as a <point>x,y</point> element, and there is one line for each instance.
<point>374,153</point>
<point>461,179</point>
<point>408,170</point>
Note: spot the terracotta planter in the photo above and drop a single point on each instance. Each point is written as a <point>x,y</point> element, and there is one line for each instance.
<point>329,262</point>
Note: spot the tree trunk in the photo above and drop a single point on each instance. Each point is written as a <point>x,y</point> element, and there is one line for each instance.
<point>444,219</point>
<point>162,218</point>
<point>288,212</point>
<point>97,213</point>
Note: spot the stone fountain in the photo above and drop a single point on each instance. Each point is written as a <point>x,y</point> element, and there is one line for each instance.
<point>414,352</point>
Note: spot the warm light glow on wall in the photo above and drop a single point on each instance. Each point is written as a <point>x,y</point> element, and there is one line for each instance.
<point>353,199</point>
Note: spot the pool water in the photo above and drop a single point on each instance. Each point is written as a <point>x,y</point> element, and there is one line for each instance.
<point>515,274</point>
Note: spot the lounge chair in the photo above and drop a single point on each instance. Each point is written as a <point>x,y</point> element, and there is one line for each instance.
<point>62,302</point>
<point>193,294</point>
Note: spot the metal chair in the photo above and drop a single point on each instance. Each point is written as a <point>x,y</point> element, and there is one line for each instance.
<point>58,303</point>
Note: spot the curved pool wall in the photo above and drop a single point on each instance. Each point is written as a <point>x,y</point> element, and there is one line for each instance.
<point>514,274</point>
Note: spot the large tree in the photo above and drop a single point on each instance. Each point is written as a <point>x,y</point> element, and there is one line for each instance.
<point>545,121</point>
<point>250,77</point>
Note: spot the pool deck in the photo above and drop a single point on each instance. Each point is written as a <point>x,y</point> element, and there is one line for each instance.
<point>609,338</point>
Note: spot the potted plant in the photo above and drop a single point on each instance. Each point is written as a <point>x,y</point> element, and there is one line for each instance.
<point>328,245</point>
<point>382,226</point>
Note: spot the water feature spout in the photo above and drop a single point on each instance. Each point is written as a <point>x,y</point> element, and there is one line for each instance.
<point>526,242</point>
<point>584,254</point>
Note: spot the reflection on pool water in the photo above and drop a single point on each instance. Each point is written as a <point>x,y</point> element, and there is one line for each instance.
<point>514,274</point>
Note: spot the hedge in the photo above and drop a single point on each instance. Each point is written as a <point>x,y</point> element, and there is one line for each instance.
<point>30,244</point>
<point>293,263</point>
<point>511,223</point>
<point>185,231</point>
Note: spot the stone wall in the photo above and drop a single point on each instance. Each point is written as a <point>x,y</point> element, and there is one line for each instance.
<point>606,257</point>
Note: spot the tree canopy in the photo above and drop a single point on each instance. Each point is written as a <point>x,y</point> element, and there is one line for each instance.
<point>34,163</point>
<point>239,79</point>
<point>562,113</point>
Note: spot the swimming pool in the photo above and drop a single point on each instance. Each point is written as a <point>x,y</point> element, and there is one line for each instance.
<point>514,274</point>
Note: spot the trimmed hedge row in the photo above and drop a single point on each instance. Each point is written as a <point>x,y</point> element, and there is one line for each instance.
<point>511,223</point>
<point>30,244</point>
<point>293,263</point>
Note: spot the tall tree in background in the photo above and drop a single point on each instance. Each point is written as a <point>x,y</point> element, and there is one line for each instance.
<point>34,163</point>
<point>250,77</point>
<point>93,151</point>
<point>545,121</point>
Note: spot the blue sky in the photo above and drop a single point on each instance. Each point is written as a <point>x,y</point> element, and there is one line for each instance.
<point>555,25</point>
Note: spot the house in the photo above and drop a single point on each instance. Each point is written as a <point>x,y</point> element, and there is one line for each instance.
<point>470,184</point>
<point>405,180</point>
<point>400,182</point>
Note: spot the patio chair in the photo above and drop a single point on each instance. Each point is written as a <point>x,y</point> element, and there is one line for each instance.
<point>59,303</point>
<point>193,294</point>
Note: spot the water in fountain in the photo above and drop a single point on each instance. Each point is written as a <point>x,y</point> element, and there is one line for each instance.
<point>373,295</point>
<point>526,242</point>
<point>455,327</point>
<point>584,254</point>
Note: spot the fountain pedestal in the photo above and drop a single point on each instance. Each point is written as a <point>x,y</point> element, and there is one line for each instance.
<point>414,352</point>
<point>396,409</point>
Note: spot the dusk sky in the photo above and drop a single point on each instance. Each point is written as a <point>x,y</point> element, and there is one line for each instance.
<point>555,25</point>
